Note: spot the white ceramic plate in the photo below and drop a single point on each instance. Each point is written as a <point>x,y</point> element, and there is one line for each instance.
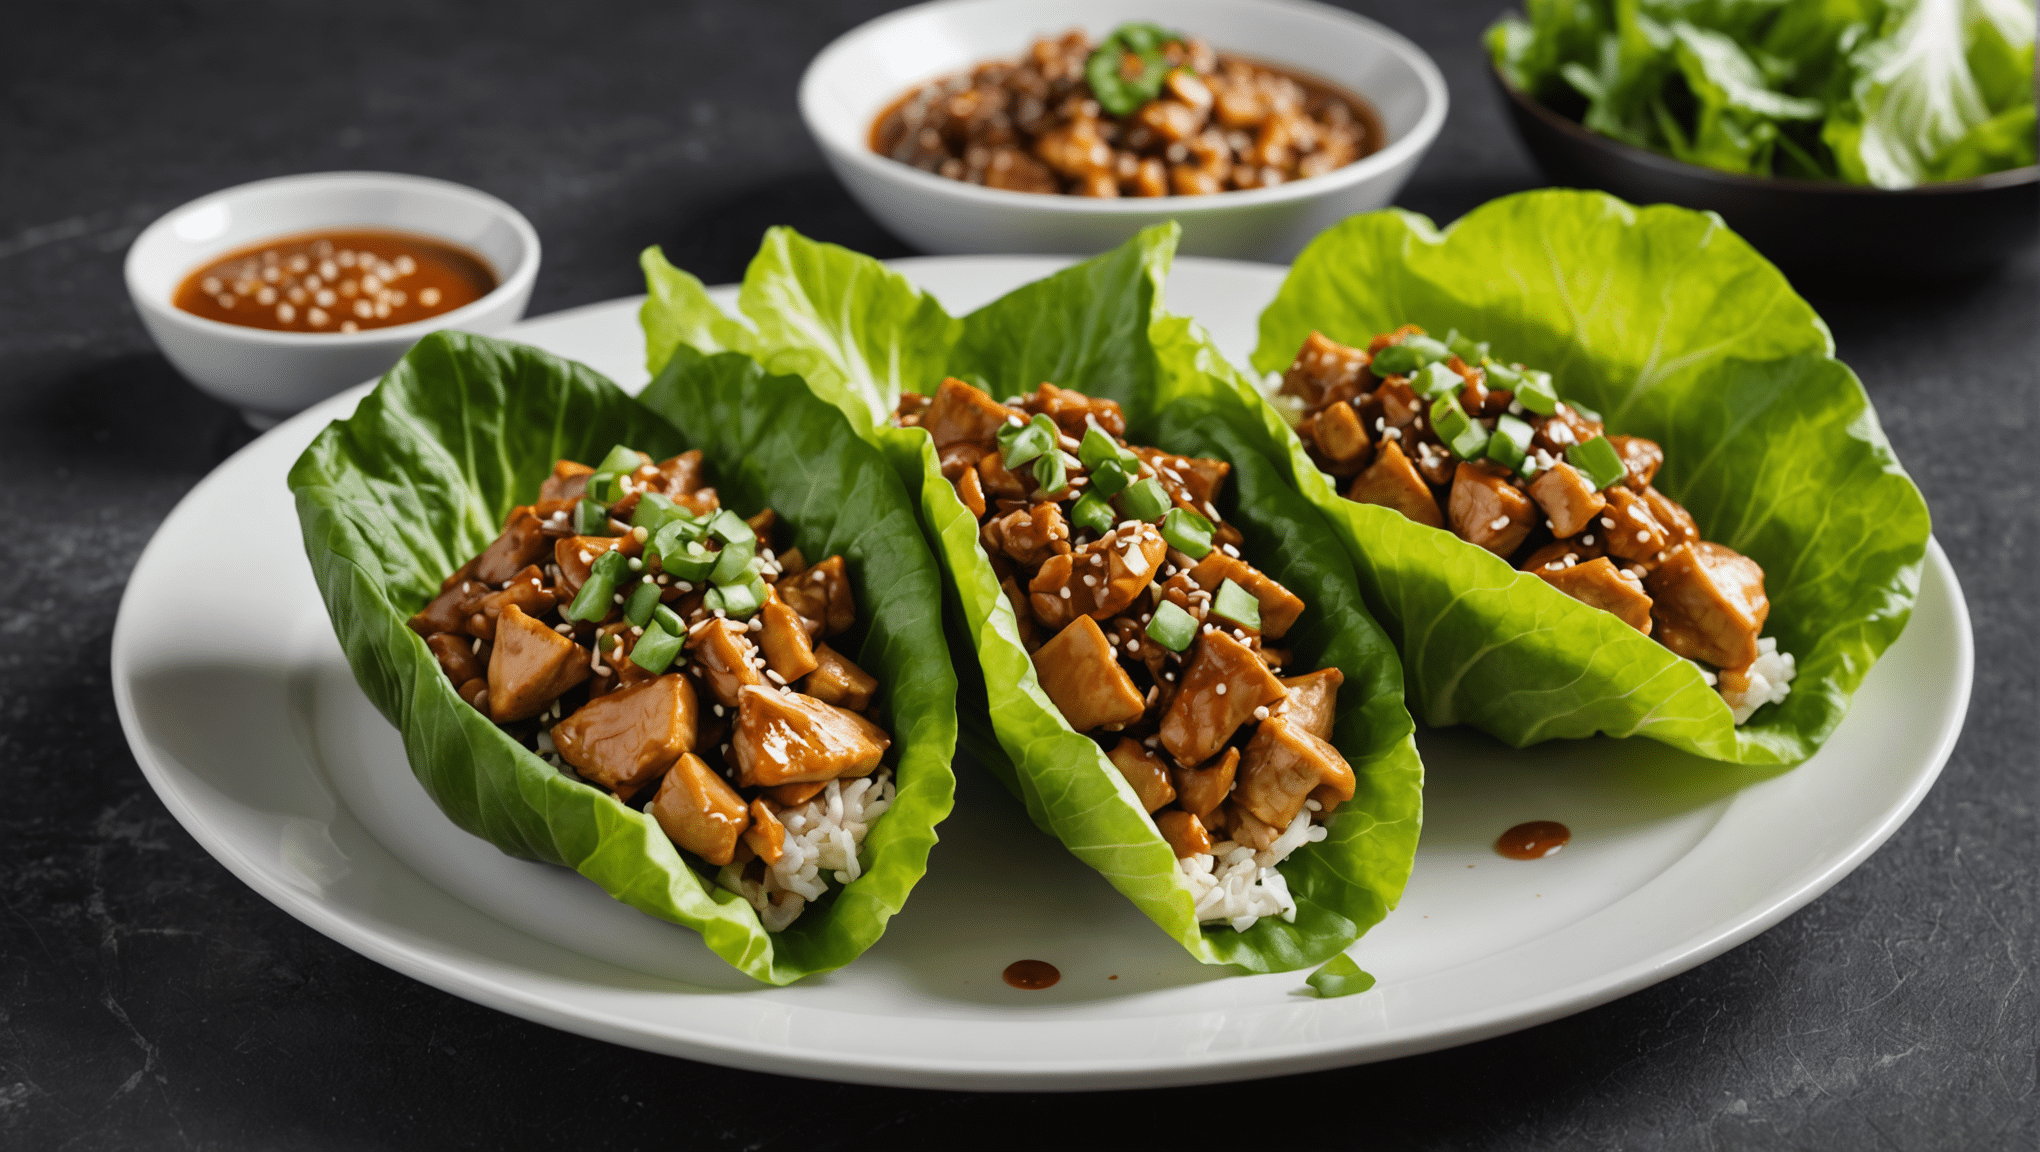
<point>243,714</point>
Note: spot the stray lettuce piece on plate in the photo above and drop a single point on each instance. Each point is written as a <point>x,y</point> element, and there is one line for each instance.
<point>1339,976</point>
<point>1674,329</point>
<point>862,333</point>
<point>396,496</point>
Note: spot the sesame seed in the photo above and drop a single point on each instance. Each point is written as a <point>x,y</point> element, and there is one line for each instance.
<point>1498,523</point>
<point>1607,521</point>
<point>1220,689</point>
<point>1064,592</point>
<point>1642,536</point>
<point>1587,539</point>
<point>1261,713</point>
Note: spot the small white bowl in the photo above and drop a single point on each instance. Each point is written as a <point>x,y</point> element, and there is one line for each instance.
<point>269,375</point>
<point>867,68</point>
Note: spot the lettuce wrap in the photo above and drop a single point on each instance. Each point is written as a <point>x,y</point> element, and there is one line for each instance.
<point>1676,330</point>
<point>465,428</point>
<point>861,334</point>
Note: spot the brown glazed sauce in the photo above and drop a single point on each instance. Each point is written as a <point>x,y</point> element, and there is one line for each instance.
<point>1032,975</point>
<point>1534,840</point>
<point>336,281</point>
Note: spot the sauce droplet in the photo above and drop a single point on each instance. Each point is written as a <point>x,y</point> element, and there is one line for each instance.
<point>1031,974</point>
<point>1534,840</point>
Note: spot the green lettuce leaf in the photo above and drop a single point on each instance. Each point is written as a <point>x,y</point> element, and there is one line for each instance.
<point>1098,328</point>
<point>465,428</point>
<point>1674,329</point>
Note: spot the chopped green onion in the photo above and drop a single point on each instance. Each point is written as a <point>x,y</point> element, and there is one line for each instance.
<point>1600,462</point>
<point>1238,605</point>
<point>1172,627</point>
<point>637,607</point>
<point>1510,445</point>
<point>1104,68</point>
<point>1537,393</point>
<point>1109,478</point>
<point>1146,500</point>
<point>1435,381</point>
<point>1410,354</point>
<point>593,602</point>
<point>1187,532</point>
<point>1584,412</point>
<point>675,535</point>
<point>1098,449</point>
<point>1462,433</point>
<point>690,561</point>
<point>1339,976</point>
<point>655,650</point>
<point>1094,512</point>
<point>730,528</point>
<point>669,620</point>
<point>1019,445</point>
<point>1500,376</point>
<point>1465,348</point>
<point>738,600</point>
<point>654,512</point>
<point>733,563</point>
<point>590,517</point>
<point>1051,471</point>
<point>605,484</point>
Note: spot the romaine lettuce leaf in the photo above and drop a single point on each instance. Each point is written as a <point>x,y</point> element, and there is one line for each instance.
<point>1097,327</point>
<point>464,428</point>
<point>1675,329</point>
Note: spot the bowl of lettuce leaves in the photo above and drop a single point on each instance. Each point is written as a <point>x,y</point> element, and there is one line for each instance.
<point>1843,138</point>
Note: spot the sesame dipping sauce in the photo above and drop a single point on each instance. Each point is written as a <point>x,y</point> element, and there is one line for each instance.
<point>336,281</point>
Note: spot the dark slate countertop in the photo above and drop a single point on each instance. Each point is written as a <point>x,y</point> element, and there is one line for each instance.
<point>148,999</point>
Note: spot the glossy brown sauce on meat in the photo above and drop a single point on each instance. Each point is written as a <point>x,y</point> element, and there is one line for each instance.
<point>1032,975</point>
<point>342,280</point>
<point>1533,840</point>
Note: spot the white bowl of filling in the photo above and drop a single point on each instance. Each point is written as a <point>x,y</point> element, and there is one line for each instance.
<point>971,126</point>
<point>274,295</point>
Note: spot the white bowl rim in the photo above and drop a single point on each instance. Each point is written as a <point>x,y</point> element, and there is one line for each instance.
<point>1406,148</point>
<point>518,279</point>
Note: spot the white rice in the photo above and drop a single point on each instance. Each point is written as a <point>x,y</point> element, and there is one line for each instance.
<point>1235,884</point>
<point>823,838</point>
<point>1770,681</point>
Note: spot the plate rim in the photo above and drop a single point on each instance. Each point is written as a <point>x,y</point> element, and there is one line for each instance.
<point>477,984</point>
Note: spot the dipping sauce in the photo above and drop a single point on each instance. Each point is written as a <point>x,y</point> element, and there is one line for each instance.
<point>1209,122</point>
<point>336,281</point>
<point>1032,975</point>
<point>1534,840</point>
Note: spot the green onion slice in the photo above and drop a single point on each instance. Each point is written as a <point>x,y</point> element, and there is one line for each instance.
<point>1435,381</point>
<point>1051,471</point>
<point>638,606</point>
<point>1019,445</point>
<point>1238,605</point>
<point>1118,93</point>
<point>592,604</point>
<point>688,560</point>
<point>1109,479</point>
<point>1094,512</point>
<point>1172,627</point>
<point>1465,348</point>
<point>1599,461</point>
<point>1510,445</point>
<point>1500,376</point>
<point>670,620</point>
<point>1098,449</point>
<point>1462,433</point>
<point>655,650</point>
<point>1187,532</point>
<point>733,563</point>
<point>590,517</point>
<point>738,600</point>
<point>1146,500</point>
<point>1536,392</point>
<point>1408,355</point>
<point>729,527</point>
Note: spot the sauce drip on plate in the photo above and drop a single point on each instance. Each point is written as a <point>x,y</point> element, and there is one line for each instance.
<point>336,281</point>
<point>1533,840</point>
<point>1033,975</point>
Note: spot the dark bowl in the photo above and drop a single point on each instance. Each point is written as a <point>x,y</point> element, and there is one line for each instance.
<point>1813,229</point>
